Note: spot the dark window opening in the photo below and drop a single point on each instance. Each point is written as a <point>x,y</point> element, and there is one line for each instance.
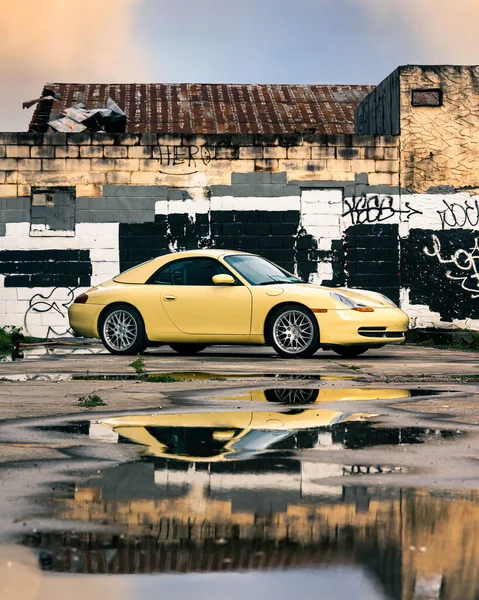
<point>426,97</point>
<point>52,210</point>
<point>190,271</point>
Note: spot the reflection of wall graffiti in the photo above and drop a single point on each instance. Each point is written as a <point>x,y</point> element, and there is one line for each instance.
<point>375,209</point>
<point>188,156</point>
<point>459,215</point>
<point>461,260</point>
<point>55,303</point>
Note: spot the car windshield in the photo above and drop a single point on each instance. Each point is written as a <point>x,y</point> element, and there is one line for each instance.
<point>259,271</point>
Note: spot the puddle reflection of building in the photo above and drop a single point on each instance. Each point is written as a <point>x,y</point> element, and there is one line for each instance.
<point>172,516</point>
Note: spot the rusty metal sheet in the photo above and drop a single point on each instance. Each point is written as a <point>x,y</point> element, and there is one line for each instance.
<point>222,108</point>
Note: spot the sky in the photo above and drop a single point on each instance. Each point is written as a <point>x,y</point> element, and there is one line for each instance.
<point>229,41</point>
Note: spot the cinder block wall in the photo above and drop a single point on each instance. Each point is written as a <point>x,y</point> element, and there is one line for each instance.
<point>76,209</point>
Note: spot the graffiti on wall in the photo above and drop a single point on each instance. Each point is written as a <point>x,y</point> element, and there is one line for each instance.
<point>50,306</point>
<point>186,157</point>
<point>463,263</point>
<point>455,214</point>
<point>368,209</point>
<point>440,269</point>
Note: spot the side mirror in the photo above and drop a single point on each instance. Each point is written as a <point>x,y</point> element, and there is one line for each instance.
<point>223,279</point>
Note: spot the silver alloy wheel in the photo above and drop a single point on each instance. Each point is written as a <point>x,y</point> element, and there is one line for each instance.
<point>120,330</point>
<point>295,396</point>
<point>293,331</point>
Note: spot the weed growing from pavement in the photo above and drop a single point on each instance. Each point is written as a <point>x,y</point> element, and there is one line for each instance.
<point>91,401</point>
<point>162,378</point>
<point>6,334</point>
<point>466,378</point>
<point>139,365</point>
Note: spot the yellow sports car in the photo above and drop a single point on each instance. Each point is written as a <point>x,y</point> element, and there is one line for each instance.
<point>190,300</point>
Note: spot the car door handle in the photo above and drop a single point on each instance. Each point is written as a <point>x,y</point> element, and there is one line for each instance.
<point>170,298</point>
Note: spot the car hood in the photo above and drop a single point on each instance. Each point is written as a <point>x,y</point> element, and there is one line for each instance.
<point>313,291</point>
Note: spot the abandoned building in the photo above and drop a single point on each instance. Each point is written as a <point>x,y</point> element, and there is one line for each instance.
<point>360,186</point>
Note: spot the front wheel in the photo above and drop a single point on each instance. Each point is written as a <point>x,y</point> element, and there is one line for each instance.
<point>187,349</point>
<point>349,351</point>
<point>122,330</point>
<point>293,332</point>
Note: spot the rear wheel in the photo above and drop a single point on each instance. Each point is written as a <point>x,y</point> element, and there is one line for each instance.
<point>122,330</point>
<point>187,349</point>
<point>349,351</point>
<point>293,332</point>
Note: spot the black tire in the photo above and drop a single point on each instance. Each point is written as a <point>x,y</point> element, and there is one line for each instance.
<point>350,351</point>
<point>137,332</point>
<point>187,349</point>
<point>311,328</point>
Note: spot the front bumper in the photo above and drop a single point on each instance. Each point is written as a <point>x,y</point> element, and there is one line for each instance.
<point>84,319</point>
<point>386,325</point>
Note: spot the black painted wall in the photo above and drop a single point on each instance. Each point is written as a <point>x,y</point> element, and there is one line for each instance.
<point>427,277</point>
<point>372,258</point>
<point>46,268</point>
<point>276,235</point>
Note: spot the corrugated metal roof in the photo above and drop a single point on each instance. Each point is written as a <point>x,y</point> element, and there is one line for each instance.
<point>222,108</point>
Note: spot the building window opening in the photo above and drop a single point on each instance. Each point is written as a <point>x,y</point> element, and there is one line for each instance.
<point>52,212</point>
<point>426,97</point>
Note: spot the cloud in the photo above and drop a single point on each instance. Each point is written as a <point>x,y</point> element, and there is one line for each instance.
<point>444,31</point>
<point>62,40</point>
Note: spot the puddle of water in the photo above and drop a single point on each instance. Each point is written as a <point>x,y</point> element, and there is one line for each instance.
<point>223,505</point>
<point>162,529</point>
<point>309,396</point>
<point>240,435</point>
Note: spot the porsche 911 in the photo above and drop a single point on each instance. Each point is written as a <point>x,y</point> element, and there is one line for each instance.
<point>194,299</point>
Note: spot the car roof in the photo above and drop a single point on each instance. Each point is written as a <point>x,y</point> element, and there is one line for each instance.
<point>141,273</point>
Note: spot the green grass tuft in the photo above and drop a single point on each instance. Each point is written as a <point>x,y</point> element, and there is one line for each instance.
<point>162,378</point>
<point>6,334</point>
<point>138,364</point>
<point>91,401</point>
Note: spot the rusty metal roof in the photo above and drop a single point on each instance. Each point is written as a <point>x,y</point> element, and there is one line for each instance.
<point>222,108</point>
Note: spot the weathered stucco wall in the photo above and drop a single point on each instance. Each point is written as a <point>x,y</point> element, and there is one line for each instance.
<point>440,144</point>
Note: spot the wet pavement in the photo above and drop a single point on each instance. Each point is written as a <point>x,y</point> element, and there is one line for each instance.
<point>241,477</point>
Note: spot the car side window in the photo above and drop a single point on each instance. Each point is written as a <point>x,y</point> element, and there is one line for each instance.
<point>190,271</point>
<point>163,276</point>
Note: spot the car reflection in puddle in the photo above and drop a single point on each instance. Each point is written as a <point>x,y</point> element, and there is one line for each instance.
<point>224,505</point>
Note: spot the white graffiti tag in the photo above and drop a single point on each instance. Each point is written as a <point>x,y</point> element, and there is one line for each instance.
<point>464,260</point>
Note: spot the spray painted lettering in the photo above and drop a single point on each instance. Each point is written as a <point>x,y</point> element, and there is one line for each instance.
<point>462,260</point>
<point>459,215</point>
<point>56,305</point>
<point>375,209</point>
<point>186,157</point>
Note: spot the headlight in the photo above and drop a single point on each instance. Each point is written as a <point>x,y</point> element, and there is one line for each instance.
<point>349,303</point>
<point>344,300</point>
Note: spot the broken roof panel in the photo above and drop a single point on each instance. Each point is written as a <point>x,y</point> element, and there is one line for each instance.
<point>221,108</point>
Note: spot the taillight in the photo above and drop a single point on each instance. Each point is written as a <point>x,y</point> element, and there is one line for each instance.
<point>81,299</point>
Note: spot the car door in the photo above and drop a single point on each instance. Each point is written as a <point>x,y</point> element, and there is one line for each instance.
<point>195,305</point>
